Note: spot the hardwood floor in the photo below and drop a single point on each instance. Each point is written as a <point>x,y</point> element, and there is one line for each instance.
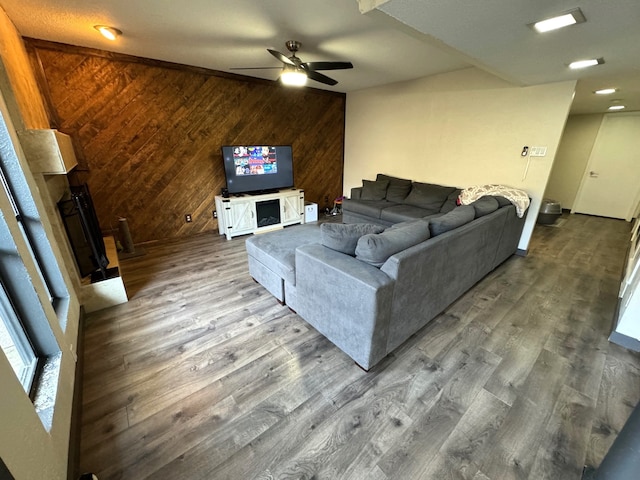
<point>203,375</point>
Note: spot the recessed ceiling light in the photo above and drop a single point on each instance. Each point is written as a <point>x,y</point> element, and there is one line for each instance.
<point>586,63</point>
<point>606,91</point>
<point>108,32</point>
<point>570,18</point>
<point>616,107</point>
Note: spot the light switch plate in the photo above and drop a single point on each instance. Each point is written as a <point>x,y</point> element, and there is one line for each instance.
<point>537,151</point>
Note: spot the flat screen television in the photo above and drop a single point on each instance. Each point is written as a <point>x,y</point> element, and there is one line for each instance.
<point>84,232</point>
<point>257,168</point>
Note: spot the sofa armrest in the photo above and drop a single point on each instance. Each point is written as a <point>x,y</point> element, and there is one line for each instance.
<point>356,193</point>
<point>346,300</point>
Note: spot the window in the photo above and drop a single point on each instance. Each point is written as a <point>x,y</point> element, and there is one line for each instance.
<point>23,208</point>
<point>33,293</point>
<point>15,343</point>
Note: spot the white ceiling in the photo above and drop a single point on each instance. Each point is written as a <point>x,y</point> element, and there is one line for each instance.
<point>444,35</point>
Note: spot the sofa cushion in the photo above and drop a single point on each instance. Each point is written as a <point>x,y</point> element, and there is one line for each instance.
<point>344,237</point>
<point>454,219</point>
<point>277,250</point>
<point>374,190</point>
<point>402,213</point>
<point>368,208</point>
<point>398,188</point>
<point>428,196</point>
<point>451,202</point>
<point>502,201</point>
<point>377,248</point>
<point>485,205</point>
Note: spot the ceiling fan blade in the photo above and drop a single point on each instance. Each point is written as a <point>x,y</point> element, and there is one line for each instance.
<point>254,68</point>
<point>283,58</point>
<point>327,65</point>
<point>318,77</point>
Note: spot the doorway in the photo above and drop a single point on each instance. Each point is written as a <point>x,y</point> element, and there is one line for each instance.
<point>610,185</point>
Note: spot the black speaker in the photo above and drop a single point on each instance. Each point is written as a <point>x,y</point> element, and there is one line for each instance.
<point>225,193</point>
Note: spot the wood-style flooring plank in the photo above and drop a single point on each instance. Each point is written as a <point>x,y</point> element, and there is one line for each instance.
<point>460,455</point>
<point>563,442</point>
<point>619,394</point>
<point>515,443</point>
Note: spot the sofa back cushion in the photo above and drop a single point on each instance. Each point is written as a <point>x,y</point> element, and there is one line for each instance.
<point>451,202</point>
<point>454,219</point>
<point>377,248</point>
<point>502,201</point>
<point>428,196</point>
<point>344,237</point>
<point>374,190</point>
<point>485,205</point>
<point>398,188</point>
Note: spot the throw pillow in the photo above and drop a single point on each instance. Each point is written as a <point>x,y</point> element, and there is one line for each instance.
<point>377,248</point>
<point>374,190</point>
<point>454,219</point>
<point>485,205</point>
<point>428,196</point>
<point>398,188</point>
<point>344,237</point>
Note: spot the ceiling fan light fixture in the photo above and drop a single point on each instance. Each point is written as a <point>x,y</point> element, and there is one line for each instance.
<point>293,77</point>
<point>107,32</point>
<point>560,21</point>
<point>586,63</point>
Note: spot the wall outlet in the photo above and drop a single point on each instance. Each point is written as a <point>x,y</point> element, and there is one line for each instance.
<point>187,218</point>
<point>215,214</point>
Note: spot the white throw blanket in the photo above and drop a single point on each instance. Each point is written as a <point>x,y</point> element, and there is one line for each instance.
<point>519,198</point>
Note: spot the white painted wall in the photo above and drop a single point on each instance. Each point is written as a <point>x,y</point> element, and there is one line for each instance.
<point>572,158</point>
<point>461,129</point>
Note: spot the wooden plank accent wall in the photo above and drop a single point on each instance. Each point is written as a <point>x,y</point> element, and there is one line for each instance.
<point>149,133</point>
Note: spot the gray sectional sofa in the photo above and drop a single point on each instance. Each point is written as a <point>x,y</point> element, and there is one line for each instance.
<point>367,287</point>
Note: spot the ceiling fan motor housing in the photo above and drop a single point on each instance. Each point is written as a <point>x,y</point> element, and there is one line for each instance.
<point>293,46</point>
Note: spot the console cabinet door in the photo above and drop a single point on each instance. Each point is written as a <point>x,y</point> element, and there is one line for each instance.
<point>290,208</point>
<point>242,217</point>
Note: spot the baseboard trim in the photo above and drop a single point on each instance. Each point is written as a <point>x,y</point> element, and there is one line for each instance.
<point>73,462</point>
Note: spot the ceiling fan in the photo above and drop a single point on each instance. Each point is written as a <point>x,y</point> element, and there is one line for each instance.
<point>296,72</point>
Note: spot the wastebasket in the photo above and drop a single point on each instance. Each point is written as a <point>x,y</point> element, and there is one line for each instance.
<point>550,211</point>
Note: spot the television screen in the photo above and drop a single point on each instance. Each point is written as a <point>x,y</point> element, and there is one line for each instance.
<point>257,168</point>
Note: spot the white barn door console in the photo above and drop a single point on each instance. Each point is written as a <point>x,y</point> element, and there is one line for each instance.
<point>243,214</point>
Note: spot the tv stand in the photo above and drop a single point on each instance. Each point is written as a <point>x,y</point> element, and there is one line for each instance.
<point>257,213</point>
